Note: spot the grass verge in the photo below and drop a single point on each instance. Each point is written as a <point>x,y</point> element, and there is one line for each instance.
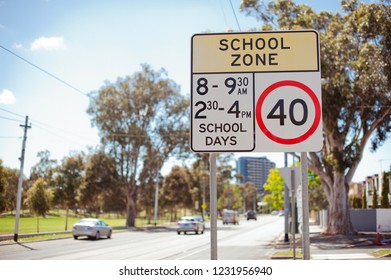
<point>51,223</point>
<point>286,255</point>
<point>382,253</point>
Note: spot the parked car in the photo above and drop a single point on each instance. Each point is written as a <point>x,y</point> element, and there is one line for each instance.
<point>191,223</point>
<point>92,228</point>
<point>251,215</point>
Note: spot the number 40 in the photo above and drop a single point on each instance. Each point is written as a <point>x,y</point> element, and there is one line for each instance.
<point>278,112</point>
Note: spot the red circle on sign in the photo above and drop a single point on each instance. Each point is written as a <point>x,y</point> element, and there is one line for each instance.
<point>268,133</point>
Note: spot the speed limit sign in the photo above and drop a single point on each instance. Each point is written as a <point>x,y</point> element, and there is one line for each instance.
<point>289,112</point>
<point>256,92</point>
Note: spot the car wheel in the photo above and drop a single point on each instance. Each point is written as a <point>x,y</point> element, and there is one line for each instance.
<point>75,236</point>
<point>109,235</point>
<point>179,232</point>
<point>97,235</point>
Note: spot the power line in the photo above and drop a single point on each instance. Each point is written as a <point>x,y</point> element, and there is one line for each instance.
<point>233,10</point>
<point>10,137</point>
<point>46,72</point>
<point>49,128</point>
<point>222,10</point>
<point>9,119</point>
<point>12,113</point>
<point>65,139</point>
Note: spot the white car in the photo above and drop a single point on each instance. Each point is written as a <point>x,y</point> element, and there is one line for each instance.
<point>92,228</point>
<point>191,223</point>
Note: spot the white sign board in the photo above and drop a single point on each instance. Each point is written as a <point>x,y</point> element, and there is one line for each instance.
<point>256,92</point>
<point>286,174</point>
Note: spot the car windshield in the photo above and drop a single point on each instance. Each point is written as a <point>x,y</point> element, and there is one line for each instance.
<point>86,222</point>
<point>187,219</point>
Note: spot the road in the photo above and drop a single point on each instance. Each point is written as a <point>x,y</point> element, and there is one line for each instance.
<point>249,240</point>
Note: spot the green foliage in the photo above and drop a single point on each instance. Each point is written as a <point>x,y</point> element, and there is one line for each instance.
<point>364,201</point>
<point>356,67</point>
<point>356,202</point>
<point>317,197</point>
<point>142,120</point>
<point>100,181</point>
<point>69,178</point>
<point>45,168</point>
<point>384,201</point>
<point>275,189</point>
<point>8,187</point>
<point>374,198</point>
<point>249,194</point>
<point>38,199</point>
<point>230,198</point>
<point>176,192</point>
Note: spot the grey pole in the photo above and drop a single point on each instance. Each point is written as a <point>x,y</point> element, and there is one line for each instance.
<point>286,203</point>
<point>293,209</point>
<point>20,181</point>
<point>213,206</point>
<point>305,207</point>
<point>156,199</point>
<point>203,197</point>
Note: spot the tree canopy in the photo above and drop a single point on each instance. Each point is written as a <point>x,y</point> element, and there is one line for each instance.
<point>142,120</point>
<point>275,190</point>
<point>356,70</point>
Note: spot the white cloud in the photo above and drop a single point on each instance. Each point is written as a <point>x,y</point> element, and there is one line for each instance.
<point>48,43</point>
<point>18,46</point>
<point>7,97</point>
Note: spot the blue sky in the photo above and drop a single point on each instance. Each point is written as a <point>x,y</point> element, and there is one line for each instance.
<point>86,43</point>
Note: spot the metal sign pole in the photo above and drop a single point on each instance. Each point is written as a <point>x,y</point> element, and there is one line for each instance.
<point>286,204</point>
<point>293,209</point>
<point>213,206</point>
<point>305,207</point>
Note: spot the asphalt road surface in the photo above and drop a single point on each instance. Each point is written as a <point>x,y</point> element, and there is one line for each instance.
<point>249,240</point>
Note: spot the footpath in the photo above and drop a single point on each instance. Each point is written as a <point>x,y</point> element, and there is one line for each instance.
<point>322,246</point>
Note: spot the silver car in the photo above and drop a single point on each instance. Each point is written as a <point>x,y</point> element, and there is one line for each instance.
<point>190,224</point>
<point>93,228</point>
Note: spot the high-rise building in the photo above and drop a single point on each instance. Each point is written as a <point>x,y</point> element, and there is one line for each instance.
<point>255,170</point>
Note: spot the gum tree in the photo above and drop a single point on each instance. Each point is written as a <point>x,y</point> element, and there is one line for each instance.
<point>38,199</point>
<point>356,70</point>
<point>142,120</point>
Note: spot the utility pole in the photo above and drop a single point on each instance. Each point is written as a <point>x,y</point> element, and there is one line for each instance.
<point>20,181</point>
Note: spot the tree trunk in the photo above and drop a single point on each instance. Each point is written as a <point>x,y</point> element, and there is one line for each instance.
<point>66,218</point>
<point>339,210</point>
<point>131,212</point>
<point>148,211</point>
